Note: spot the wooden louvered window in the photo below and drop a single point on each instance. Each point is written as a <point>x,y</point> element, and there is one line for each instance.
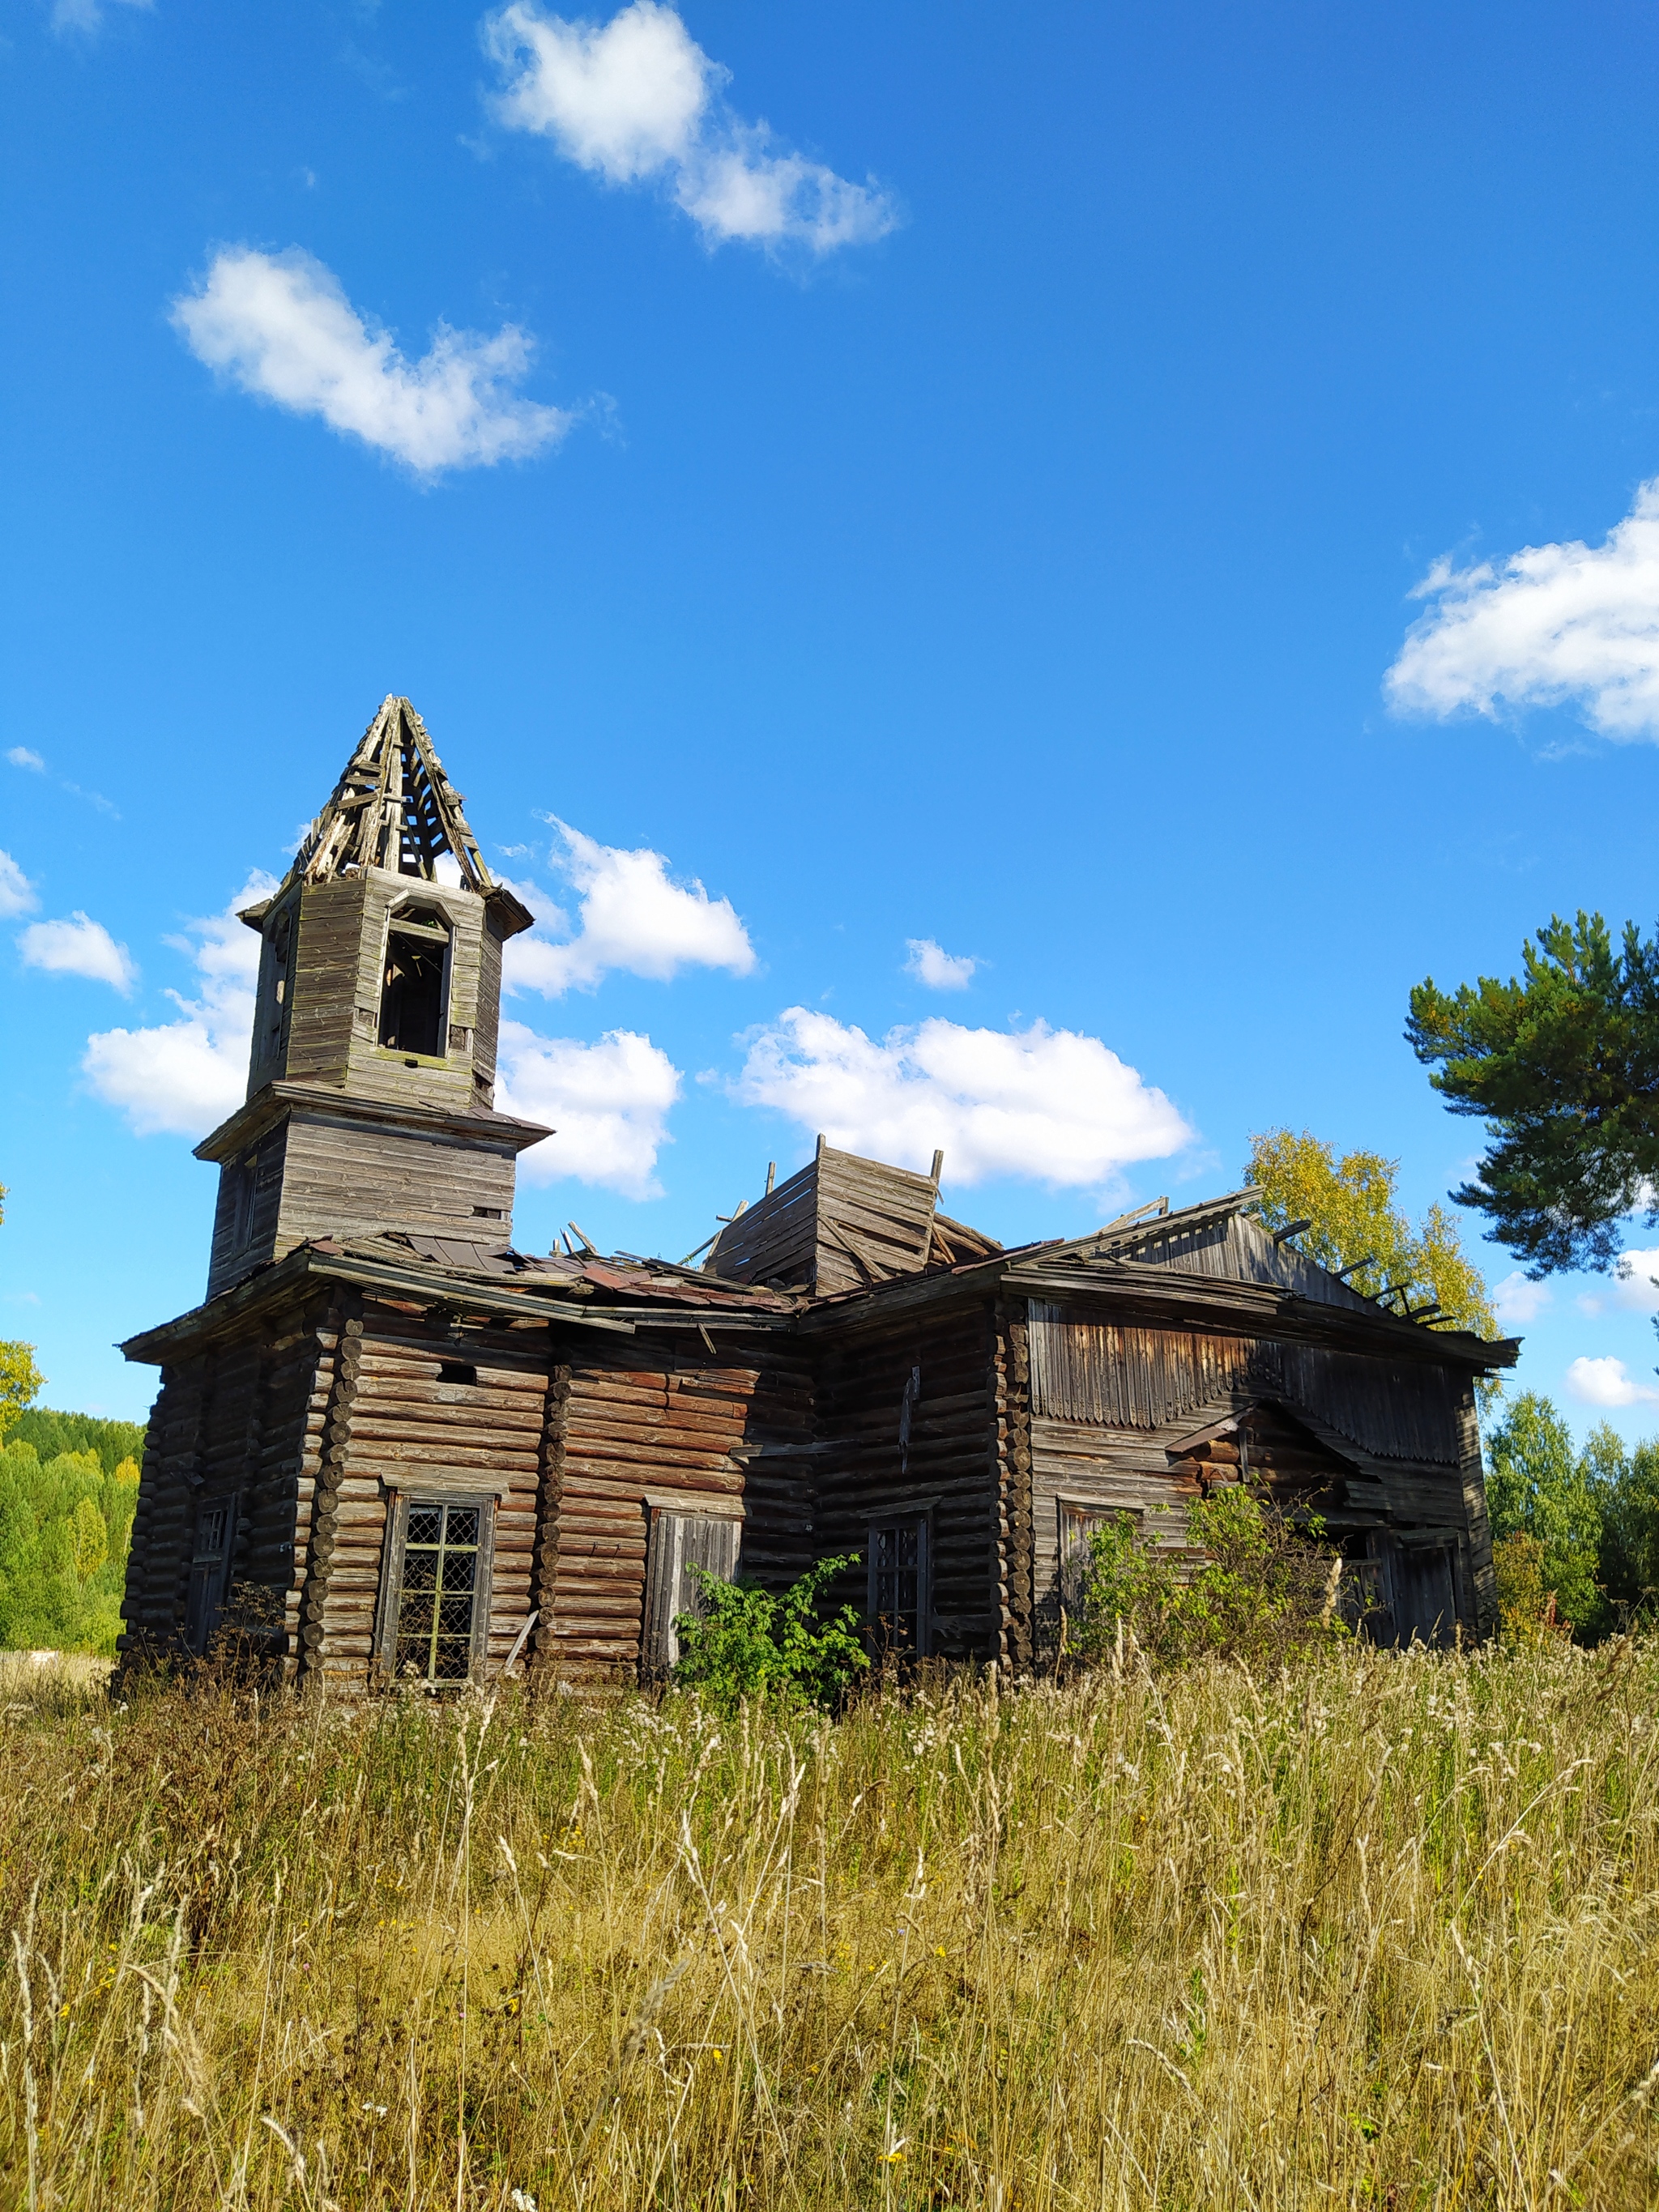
<point>436,1604</point>
<point>678,1542</point>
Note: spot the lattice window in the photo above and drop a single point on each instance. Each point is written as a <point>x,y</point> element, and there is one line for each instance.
<point>897,1558</point>
<point>440,1603</point>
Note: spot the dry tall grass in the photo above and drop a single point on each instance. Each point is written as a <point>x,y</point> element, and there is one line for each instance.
<point>1382,1933</point>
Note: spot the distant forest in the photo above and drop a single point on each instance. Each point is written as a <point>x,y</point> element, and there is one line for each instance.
<point>69,1488</point>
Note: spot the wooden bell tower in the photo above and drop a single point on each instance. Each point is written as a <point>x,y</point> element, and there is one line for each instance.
<point>372,1072</point>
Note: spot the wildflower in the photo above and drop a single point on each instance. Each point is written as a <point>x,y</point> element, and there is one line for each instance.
<point>522,2200</point>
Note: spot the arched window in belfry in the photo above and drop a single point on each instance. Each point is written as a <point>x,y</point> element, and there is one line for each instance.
<point>414,984</point>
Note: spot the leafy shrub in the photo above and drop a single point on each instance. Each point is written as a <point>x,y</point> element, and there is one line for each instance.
<point>1526,1599</point>
<point>746,1644</point>
<point>1249,1585</point>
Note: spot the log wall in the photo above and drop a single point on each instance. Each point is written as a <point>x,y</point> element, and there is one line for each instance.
<point>391,1425</point>
<point>650,1421</point>
<point>233,1422</point>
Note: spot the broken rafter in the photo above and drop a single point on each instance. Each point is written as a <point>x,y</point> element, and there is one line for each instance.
<point>393,808</point>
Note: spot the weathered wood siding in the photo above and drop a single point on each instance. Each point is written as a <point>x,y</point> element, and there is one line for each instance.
<point>342,1177</point>
<point>653,1420</point>
<point>1112,1401</point>
<point>842,1222</point>
<point>1087,1367</point>
<point>247,1225</point>
<point>948,1468</point>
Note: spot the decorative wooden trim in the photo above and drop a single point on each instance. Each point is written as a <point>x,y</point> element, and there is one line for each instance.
<point>699,1504</point>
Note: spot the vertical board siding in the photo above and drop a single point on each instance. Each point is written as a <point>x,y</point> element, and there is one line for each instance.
<point>947,1470</point>
<point>1088,1369</point>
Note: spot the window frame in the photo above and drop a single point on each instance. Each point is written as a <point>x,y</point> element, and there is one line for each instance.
<point>919,1523</point>
<point>398,1508</point>
<point>203,1618</point>
<point>1073,1504</point>
<point>658,1655</point>
<point>400,921</point>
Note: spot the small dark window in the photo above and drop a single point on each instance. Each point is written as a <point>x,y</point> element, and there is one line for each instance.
<point>244,1194</point>
<point>487,1212</point>
<point>209,1566</point>
<point>438,1600</point>
<point>457,1371</point>
<point>898,1585</point>
<point>412,986</point>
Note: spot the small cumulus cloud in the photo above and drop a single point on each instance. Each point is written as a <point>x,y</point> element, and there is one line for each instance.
<point>184,1076</point>
<point>632,915</point>
<point>86,16</point>
<point>22,756</point>
<point>1550,626</point>
<point>1516,1300</point>
<point>930,963</point>
<point>1636,1282</point>
<point>608,1105</point>
<point>281,327</point>
<point>1049,1104</point>
<point>17,893</point>
<point>637,99</point>
<point>78,946</point>
<point>1606,1383</point>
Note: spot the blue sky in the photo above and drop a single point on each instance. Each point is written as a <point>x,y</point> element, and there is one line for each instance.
<point>944,477</point>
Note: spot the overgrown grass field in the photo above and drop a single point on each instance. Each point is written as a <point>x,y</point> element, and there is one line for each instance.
<point>1381,1931</point>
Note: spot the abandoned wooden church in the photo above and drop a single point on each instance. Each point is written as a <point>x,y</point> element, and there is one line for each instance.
<point>390,1444</point>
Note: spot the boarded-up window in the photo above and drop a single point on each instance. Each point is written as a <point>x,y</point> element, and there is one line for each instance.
<point>438,1594</point>
<point>1426,1603</point>
<point>1078,1524</point>
<point>678,1543</point>
<point>898,1584</point>
<point>210,1569</point>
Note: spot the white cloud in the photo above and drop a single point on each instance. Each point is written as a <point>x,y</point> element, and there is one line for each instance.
<point>637,98</point>
<point>939,970</point>
<point>632,915</point>
<point>1046,1104</point>
<point>185,1077</point>
<point>1543,627</point>
<point>1606,1382</point>
<point>607,1103</point>
<point>21,757</point>
<point>16,891</point>
<point>87,16</point>
<point>1516,1299</point>
<point>79,946</point>
<point>1636,1282</point>
<point>281,327</point>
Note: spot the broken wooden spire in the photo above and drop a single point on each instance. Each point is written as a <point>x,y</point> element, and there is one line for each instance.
<point>393,808</point>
